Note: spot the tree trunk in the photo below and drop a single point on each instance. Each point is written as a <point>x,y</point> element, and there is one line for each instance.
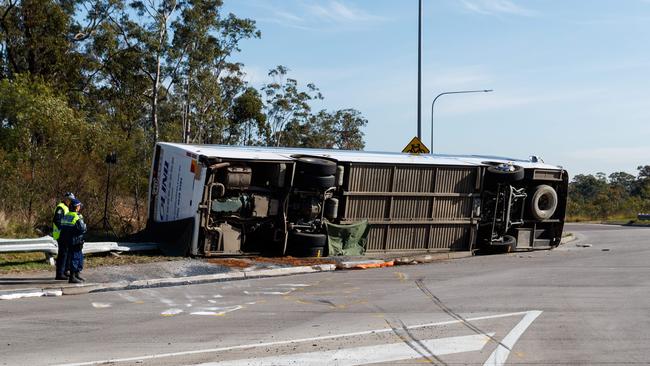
<point>188,124</point>
<point>154,101</point>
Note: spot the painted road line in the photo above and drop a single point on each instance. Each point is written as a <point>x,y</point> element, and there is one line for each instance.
<point>501,353</point>
<point>369,354</point>
<point>290,341</point>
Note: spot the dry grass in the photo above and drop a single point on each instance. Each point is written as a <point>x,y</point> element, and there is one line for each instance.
<point>29,262</point>
<point>4,223</point>
<point>23,262</point>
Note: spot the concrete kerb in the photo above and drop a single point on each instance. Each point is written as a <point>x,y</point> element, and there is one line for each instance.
<point>401,260</point>
<point>219,277</point>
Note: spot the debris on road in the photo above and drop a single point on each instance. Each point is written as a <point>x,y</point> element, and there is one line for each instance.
<point>365,264</point>
<point>582,245</point>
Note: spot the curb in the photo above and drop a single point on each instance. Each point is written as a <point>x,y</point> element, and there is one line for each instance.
<point>428,258</point>
<point>567,239</point>
<point>221,277</point>
<point>162,282</point>
<point>403,260</point>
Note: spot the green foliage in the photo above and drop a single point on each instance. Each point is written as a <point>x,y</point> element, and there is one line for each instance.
<point>80,79</point>
<point>338,130</point>
<point>39,134</point>
<point>619,196</point>
<point>292,123</point>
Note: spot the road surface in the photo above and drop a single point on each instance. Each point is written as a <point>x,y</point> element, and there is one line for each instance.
<point>572,305</point>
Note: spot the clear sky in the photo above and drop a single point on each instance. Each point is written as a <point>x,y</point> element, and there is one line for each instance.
<point>571,79</point>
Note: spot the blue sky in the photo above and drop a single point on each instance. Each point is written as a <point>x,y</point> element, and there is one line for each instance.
<point>571,79</point>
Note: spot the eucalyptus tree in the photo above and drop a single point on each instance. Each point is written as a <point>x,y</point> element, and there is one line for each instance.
<point>208,80</point>
<point>286,103</point>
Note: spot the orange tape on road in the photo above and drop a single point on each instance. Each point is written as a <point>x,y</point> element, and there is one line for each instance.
<point>374,265</point>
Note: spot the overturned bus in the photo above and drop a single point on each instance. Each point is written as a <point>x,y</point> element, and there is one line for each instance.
<point>223,200</point>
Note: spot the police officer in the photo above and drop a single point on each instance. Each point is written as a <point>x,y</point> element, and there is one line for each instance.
<point>73,229</point>
<point>61,257</point>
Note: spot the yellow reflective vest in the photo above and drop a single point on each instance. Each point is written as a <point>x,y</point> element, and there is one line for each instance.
<point>56,231</point>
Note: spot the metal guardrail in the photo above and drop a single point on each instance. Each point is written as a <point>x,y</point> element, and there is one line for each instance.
<point>643,216</point>
<point>48,246</point>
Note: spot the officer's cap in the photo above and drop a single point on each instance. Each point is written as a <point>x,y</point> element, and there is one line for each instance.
<point>75,202</point>
<point>69,195</point>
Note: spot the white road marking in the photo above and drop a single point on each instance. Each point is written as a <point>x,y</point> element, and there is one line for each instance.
<point>217,311</point>
<point>167,302</point>
<point>368,354</point>
<point>171,312</point>
<point>290,341</point>
<point>270,292</point>
<point>127,297</point>
<point>217,296</point>
<point>501,353</point>
<point>101,305</point>
<point>21,295</point>
<point>294,285</point>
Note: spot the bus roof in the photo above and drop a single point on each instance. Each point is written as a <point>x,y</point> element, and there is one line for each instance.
<point>351,156</point>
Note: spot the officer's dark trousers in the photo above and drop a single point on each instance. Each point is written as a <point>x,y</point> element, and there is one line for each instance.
<point>75,258</point>
<point>61,258</point>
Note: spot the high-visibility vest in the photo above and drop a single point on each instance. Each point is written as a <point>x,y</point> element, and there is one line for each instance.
<point>56,231</point>
<point>70,218</point>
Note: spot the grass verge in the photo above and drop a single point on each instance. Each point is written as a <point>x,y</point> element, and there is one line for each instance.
<point>29,262</point>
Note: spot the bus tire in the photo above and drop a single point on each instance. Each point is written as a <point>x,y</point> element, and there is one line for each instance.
<point>315,166</point>
<point>315,181</point>
<point>307,244</point>
<point>544,202</point>
<point>493,173</point>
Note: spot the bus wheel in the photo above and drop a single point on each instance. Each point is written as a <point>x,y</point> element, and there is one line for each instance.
<point>307,244</point>
<point>315,166</point>
<point>505,173</point>
<point>544,202</point>
<point>314,181</point>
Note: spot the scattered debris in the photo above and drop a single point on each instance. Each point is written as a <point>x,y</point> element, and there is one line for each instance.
<point>364,264</point>
<point>605,249</point>
<point>293,261</point>
<point>581,245</point>
<point>231,262</point>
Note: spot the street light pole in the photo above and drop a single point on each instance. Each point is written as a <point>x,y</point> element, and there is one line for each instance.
<point>451,92</point>
<point>420,69</point>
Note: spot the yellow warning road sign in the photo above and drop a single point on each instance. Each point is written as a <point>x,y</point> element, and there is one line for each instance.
<point>416,147</point>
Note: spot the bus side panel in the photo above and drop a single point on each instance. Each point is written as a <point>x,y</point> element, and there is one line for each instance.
<point>413,207</point>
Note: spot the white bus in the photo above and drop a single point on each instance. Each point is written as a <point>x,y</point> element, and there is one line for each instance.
<point>224,200</point>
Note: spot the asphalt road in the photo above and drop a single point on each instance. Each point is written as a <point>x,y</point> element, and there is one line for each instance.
<point>573,305</point>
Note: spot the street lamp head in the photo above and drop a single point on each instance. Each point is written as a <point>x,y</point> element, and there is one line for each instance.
<point>452,92</point>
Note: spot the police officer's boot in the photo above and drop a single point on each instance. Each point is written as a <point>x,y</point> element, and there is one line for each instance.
<point>74,279</point>
<point>79,277</point>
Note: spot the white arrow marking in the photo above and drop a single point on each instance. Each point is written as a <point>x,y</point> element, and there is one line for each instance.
<point>501,353</point>
<point>369,354</point>
<point>290,341</point>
